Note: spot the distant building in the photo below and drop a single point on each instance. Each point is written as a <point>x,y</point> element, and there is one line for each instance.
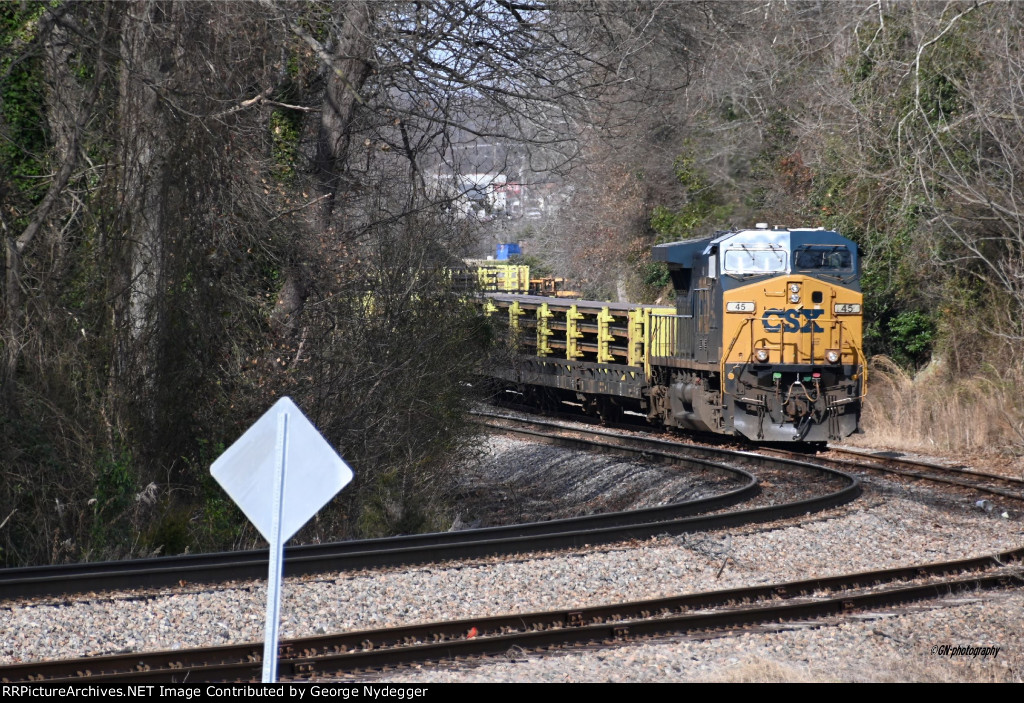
<point>472,193</point>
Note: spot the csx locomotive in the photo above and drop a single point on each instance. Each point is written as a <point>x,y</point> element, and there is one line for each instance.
<point>764,341</point>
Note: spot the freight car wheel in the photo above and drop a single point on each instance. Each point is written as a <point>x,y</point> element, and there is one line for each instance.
<point>544,399</point>
<point>608,410</point>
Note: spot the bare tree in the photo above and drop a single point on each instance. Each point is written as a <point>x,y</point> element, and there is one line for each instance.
<point>221,203</point>
<point>963,142</point>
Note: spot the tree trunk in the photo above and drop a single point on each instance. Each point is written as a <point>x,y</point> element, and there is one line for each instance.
<point>69,109</point>
<point>145,128</point>
<point>346,75</point>
<point>348,68</point>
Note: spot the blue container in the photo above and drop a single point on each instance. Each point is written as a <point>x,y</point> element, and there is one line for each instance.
<point>507,250</point>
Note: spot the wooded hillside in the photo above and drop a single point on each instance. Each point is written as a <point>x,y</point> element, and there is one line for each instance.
<point>207,205</point>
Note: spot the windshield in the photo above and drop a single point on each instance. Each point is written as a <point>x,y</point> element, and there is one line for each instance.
<point>752,261</point>
<point>834,258</point>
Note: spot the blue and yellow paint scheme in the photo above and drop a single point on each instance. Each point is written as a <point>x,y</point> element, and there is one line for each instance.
<point>765,340</point>
<point>770,334</point>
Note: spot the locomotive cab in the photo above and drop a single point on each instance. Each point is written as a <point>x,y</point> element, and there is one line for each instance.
<point>766,338</point>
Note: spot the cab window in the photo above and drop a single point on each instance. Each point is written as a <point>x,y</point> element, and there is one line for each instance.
<point>754,261</point>
<point>819,257</point>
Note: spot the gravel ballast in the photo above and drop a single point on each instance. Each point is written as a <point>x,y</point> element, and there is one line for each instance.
<point>890,526</point>
<point>878,648</point>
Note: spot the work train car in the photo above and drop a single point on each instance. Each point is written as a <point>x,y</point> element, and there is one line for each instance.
<point>764,340</point>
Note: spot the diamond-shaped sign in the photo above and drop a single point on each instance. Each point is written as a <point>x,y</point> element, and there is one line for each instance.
<point>313,471</point>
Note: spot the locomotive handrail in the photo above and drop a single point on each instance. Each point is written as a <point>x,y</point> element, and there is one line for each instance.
<point>857,350</point>
<point>725,356</point>
<point>672,332</point>
<point>859,354</point>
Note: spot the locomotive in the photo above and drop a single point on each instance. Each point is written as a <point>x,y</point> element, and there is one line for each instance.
<point>764,340</point>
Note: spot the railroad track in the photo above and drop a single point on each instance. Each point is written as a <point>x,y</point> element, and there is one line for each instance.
<point>960,478</point>
<point>361,653</point>
<point>865,462</point>
<point>833,488</point>
<point>358,654</point>
<point>860,460</point>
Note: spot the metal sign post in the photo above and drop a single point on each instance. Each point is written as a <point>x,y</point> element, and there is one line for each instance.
<point>272,626</point>
<point>280,473</point>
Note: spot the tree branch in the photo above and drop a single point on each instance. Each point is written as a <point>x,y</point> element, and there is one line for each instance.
<point>42,211</point>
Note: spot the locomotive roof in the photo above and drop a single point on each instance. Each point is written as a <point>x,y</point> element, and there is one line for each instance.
<point>685,253</point>
<point>681,253</point>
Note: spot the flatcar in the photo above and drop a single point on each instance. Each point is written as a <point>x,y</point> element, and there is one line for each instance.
<point>764,340</point>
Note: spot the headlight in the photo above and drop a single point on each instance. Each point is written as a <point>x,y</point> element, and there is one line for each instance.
<point>832,356</point>
<point>794,297</point>
<point>761,355</point>
<point>794,287</point>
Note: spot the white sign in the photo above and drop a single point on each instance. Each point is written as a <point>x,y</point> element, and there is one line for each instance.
<point>280,473</point>
<point>315,471</point>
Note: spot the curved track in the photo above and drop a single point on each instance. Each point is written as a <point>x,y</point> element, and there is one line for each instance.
<point>956,478</point>
<point>675,518</point>
<point>367,651</point>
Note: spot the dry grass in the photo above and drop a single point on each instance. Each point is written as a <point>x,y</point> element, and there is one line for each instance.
<point>941,670</point>
<point>760,670</point>
<point>922,669</point>
<point>931,412</point>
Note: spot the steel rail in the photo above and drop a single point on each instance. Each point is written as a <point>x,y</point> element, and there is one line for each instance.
<point>554,534</point>
<point>955,470</point>
<point>954,476</point>
<point>332,654</point>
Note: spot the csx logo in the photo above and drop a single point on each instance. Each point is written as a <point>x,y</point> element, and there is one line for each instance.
<point>777,320</point>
